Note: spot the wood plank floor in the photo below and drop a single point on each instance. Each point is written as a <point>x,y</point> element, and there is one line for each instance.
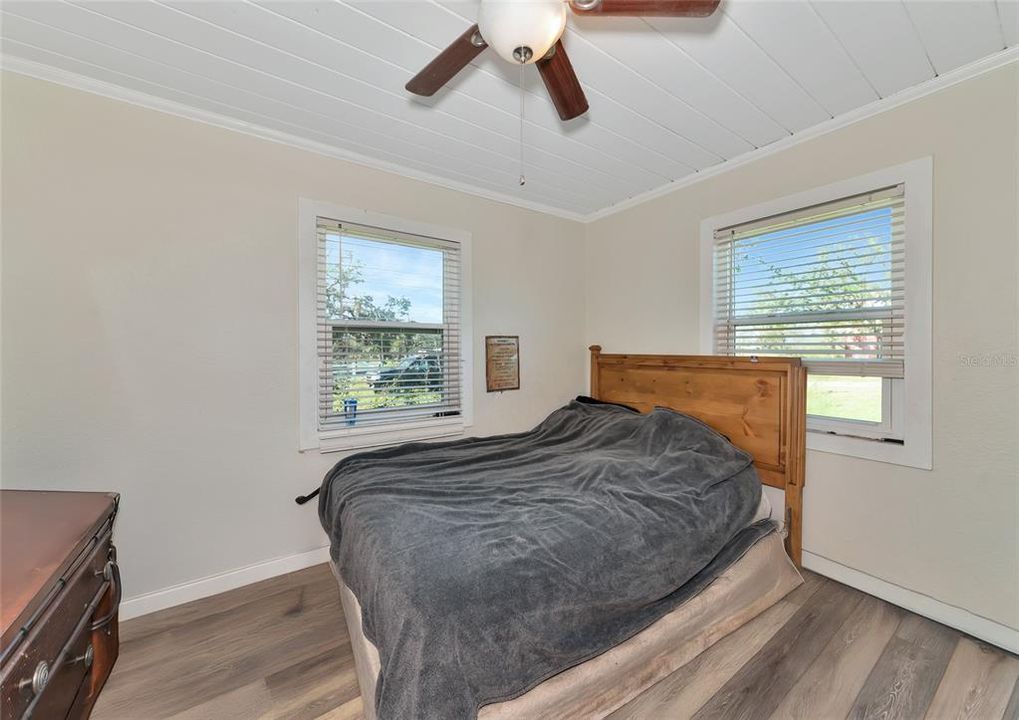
<point>280,650</point>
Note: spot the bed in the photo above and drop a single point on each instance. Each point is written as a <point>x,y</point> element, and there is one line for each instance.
<point>758,405</point>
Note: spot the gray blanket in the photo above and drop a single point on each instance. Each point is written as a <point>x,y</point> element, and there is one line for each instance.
<point>484,566</point>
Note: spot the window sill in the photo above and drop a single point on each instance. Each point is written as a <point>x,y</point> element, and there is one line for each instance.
<point>866,449</point>
<point>363,438</point>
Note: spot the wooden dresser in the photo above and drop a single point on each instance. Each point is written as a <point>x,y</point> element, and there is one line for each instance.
<point>59,594</point>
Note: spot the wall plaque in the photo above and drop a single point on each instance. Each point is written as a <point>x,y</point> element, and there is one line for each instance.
<point>502,362</point>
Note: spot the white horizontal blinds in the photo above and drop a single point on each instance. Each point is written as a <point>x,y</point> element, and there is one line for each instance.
<point>389,327</point>
<point>825,283</point>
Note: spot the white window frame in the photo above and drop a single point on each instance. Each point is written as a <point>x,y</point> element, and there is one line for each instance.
<point>908,402</point>
<point>353,438</point>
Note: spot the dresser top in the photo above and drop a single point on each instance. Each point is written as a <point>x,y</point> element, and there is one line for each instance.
<point>41,534</point>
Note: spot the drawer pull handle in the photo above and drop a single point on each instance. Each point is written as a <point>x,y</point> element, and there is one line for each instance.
<point>87,657</point>
<point>35,684</point>
<point>111,572</point>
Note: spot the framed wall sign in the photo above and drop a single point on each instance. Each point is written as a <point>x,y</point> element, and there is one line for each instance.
<point>502,362</point>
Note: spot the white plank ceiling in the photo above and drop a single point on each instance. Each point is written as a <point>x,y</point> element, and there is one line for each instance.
<point>669,97</point>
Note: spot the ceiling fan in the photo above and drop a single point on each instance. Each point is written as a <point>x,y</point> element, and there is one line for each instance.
<point>526,32</point>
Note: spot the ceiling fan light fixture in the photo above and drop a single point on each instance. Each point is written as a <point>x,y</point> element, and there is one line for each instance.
<point>522,31</point>
<point>526,32</point>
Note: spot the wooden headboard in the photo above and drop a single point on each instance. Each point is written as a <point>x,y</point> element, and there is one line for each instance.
<point>758,403</point>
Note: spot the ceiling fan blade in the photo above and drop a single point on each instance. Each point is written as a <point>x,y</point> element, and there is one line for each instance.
<point>562,84</point>
<point>448,63</point>
<point>645,8</point>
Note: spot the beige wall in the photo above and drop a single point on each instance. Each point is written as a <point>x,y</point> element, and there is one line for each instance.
<point>950,533</point>
<point>150,321</point>
<point>150,337</point>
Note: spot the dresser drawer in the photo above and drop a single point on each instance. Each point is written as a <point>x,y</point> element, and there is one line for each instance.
<point>54,660</point>
<point>66,680</point>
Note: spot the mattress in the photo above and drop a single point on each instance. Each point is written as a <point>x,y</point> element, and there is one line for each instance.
<point>759,579</point>
<point>763,510</point>
<point>535,551</point>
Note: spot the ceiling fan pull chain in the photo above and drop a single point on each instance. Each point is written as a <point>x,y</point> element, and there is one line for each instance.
<point>523,180</point>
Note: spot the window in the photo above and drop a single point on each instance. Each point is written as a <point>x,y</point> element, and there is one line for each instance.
<point>830,278</point>
<point>388,353</point>
<point>824,284</point>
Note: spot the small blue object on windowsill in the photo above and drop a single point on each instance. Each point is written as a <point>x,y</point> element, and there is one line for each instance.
<point>350,410</point>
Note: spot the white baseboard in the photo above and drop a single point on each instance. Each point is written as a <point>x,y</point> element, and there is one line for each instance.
<point>214,584</point>
<point>955,617</point>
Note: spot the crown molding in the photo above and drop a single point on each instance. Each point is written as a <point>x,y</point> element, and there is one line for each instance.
<point>134,97</point>
<point>75,81</point>
<point>889,102</point>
